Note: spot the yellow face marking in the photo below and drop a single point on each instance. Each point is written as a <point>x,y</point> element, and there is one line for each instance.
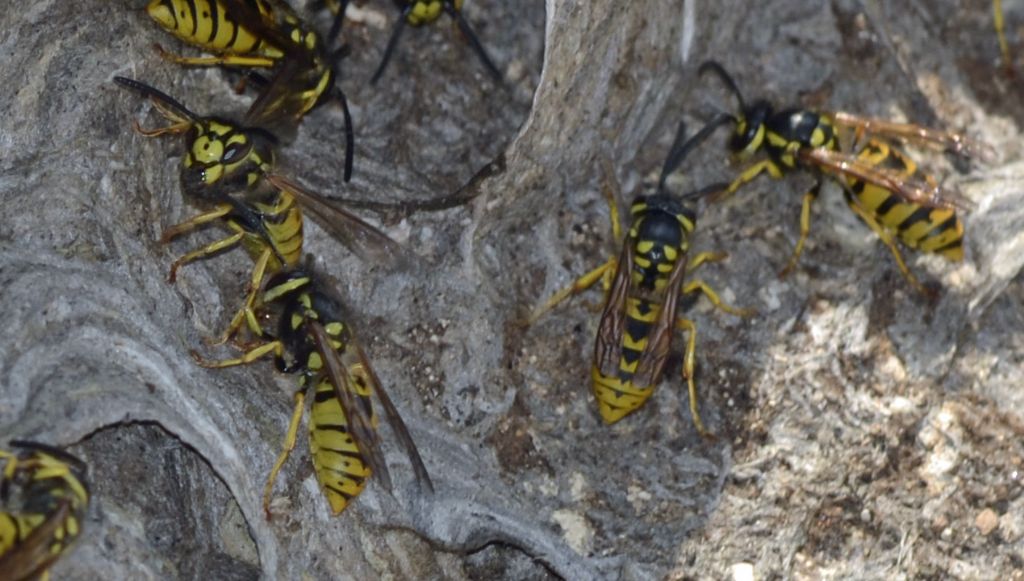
<point>817,137</point>
<point>314,361</point>
<point>206,150</point>
<point>212,174</point>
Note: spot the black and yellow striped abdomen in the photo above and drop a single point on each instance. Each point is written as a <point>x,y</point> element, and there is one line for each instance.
<point>207,25</point>
<point>617,395</point>
<point>928,229</point>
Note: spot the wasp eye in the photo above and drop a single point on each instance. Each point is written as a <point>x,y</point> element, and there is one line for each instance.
<point>233,152</point>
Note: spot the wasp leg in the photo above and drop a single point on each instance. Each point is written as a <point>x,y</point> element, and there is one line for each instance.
<point>689,364</point>
<point>246,314</point>
<point>478,47</point>
<point>886,237</point>
<point>805,228</point>
<point>396,34</point>
<point>705,257</point>
<point>173,129</point>
<point>209,249</point>
<point>274,347</point>
<point>230,60</point>
<point>701,286</point>
<point>191,224</point>
<point>1004,47</point>
<point>579,285</point>
<point>749,175</point>
<point>289,444</point>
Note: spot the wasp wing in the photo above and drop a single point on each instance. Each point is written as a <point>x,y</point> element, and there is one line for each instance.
<point>31,557</point>
<point>913,190</point>
<point>366,241</point>
<point>397,424</point>
<point>949,141</point>
<point>608,347</point>
<point>359,417</point>
<point>659,339</point>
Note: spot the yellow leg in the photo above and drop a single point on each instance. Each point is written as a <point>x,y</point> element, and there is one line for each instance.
<point>613,213</point>
<point>886,237</point>
<point>749,175</point>
<point>246,312</point>
<point>805,229</point>
<point>701,286</point>
<point>212,248</point>
<point>689,365</point>
<point>705,257</point>
<point>1004,47</point>
<point>286,449</point>
<point>174,129</point>
<point>11,466</point>
<point>579,285</point>
<point>230,60</point>
<point>195,222</point>
<point>273,347</point>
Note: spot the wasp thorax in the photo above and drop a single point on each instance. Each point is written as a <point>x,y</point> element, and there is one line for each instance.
<point>750,129</point>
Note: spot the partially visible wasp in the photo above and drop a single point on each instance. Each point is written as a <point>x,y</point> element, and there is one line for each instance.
<point>1004,46</point>
<point>304,329</point>
<point>640,312</point>
<point>417,13</point>
<point>43,518</point>
<point>883,186</point>
<point>230,167</point>
<point>260,34</point>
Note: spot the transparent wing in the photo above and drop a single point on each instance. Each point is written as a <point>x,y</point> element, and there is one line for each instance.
<point>367,242</point>
<point>659,339</point>
<point>397,424</point>
<point>359,421</point>
<point>949,141</point>
<point>917,191</point>
<point>608,346</point>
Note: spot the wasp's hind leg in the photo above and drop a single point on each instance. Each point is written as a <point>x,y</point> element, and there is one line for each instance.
<point>805,228</point>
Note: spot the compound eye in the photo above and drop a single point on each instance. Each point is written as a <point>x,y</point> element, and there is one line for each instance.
<point>234,152</point>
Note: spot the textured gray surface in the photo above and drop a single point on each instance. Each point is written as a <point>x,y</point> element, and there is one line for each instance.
<point>862,431</point>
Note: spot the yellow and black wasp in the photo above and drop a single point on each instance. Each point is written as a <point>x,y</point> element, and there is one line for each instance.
<point>255,35</point>
<point>229,168</point>
<point>45,497</point>
<point>305,330</point>
<point>417,13</point>
<point>883,186</point>
<point>641,298</point>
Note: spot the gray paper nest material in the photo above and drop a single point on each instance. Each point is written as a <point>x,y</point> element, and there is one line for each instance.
<point>862,431</point>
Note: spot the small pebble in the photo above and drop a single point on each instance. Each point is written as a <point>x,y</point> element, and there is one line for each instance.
<point>986,522</point>
<point>742,572</point>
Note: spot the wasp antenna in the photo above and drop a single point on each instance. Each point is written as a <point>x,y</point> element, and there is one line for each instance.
<point>157,94</point>
<point>719,70</point>
<point>478,47</point>
<point>350,138</point>
<point>396,34</point>
<point>339,19</point>
<point>680,149</point>
<point>62,455</point>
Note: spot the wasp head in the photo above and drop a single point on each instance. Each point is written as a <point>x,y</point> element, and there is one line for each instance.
<point>222,158</point>
<point>750,129</point>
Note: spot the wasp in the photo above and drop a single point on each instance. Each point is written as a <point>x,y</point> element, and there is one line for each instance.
<point>417,13</point>
<point>256,35</point>
<point>998,22</point>
<point>52,498</point>
<point>640,312</point>
<point>882,185</point>
<point>229,168</point>
<point>304,329</point>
